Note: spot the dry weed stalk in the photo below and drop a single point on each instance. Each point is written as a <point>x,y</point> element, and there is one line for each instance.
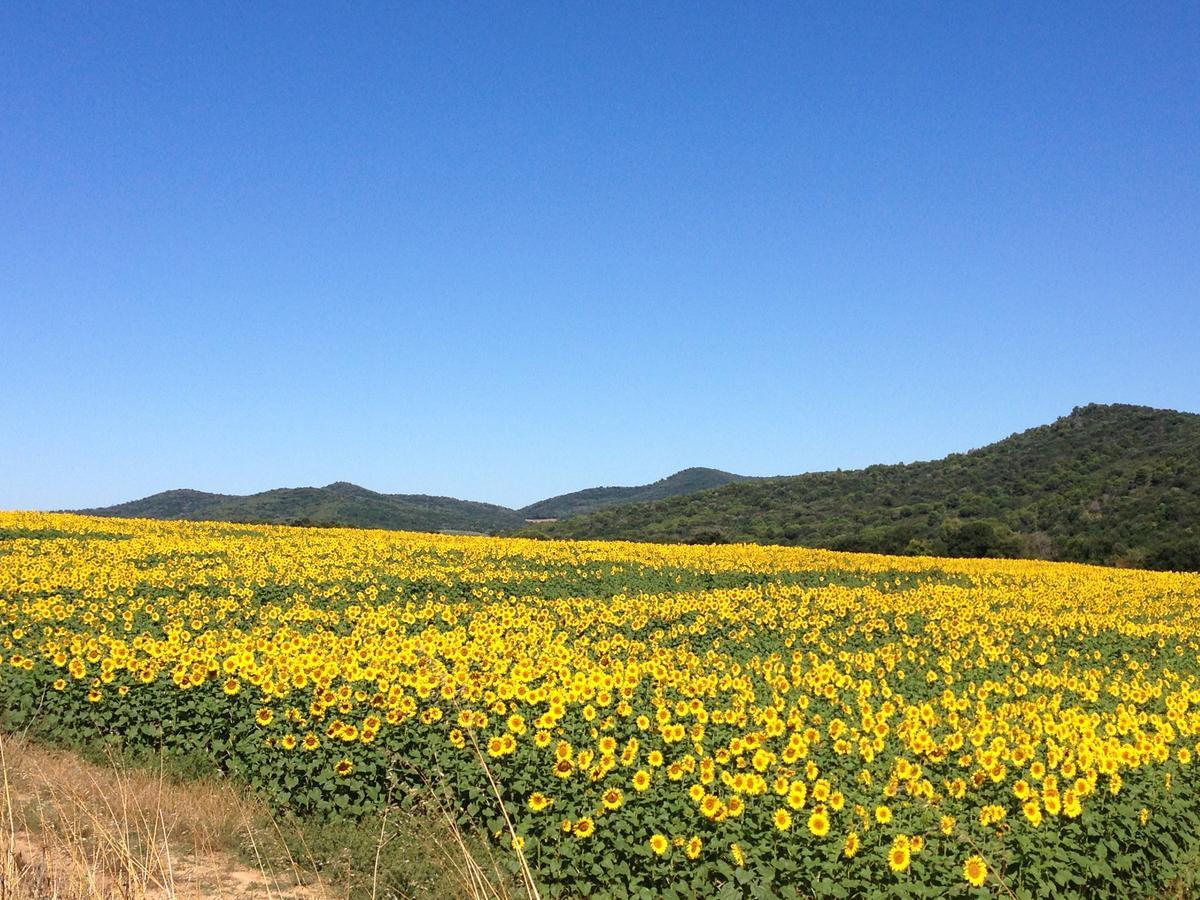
<point>73,830</point>
<point>77,831</point>
<point>526,874</point>
<point>453,848</point>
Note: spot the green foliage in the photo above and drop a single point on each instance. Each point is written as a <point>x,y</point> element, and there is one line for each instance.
<point>688,481</point>
<point>48,534</point>
<point>1107,484</point>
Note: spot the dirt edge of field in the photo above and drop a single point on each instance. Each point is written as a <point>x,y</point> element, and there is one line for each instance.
<point>71,829</point>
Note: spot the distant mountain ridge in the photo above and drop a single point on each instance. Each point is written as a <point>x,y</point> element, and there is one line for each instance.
<point>340,503</point>
<point>1113,484</point>
<point>345,504</point>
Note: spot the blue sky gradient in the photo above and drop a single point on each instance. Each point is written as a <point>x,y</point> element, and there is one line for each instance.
<point>503,251</point>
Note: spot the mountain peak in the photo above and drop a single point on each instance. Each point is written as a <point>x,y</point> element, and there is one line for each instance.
<point>346,487</point>
<point>682,483</point>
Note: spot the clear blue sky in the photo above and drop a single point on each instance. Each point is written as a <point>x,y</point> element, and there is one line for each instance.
<point>502,251</point>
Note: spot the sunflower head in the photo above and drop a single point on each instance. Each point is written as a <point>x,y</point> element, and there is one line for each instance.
<point>975,870</point>
<point>899,858</point>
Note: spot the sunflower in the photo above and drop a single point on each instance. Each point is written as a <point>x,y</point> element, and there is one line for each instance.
<point>585,827</point>
<point>975,870</point>
<point>899,857</point>
<point>818,822</point>
<point>694,846</point>
<point>344,768</point>
<point>797,795</point>
<point>539,801</point>
<point>612,798</point>
<point>659,844</point>
<point>783,819</point>
<point>852,845</point>
<point>1032,812</point>
<point>641,780</point>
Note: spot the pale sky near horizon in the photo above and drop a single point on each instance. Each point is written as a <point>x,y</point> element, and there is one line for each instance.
<point>501,252</point>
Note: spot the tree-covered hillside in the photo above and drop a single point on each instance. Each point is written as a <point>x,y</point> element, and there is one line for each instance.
<point>352,506</point>
<point>1107,484</point>
<point>687,481</point>
<point>335,504</point>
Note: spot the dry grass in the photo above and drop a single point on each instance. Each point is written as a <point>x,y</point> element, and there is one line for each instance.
<point>71,829</point>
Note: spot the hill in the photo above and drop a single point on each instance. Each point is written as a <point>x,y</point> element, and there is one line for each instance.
<point>349,505</point>
<point>339,503</point>
<point>1110,484</point>
<point>687,481</point>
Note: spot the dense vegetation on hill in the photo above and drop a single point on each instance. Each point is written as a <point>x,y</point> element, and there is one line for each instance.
<point>347,504</point>
<point>1107,484</point>
<point>335,504</point>
<point>688,481</point>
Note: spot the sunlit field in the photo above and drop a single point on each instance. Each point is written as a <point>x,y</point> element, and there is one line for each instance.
<point>637,719</point>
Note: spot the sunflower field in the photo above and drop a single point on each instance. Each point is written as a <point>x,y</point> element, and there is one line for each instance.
<point>636,719</point>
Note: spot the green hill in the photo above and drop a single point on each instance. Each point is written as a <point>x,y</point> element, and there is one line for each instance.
<point>180,504</point>
<point>687,481</point>
<point>335,504</point>
<point>1107,484</point>
<point>353,506</point>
